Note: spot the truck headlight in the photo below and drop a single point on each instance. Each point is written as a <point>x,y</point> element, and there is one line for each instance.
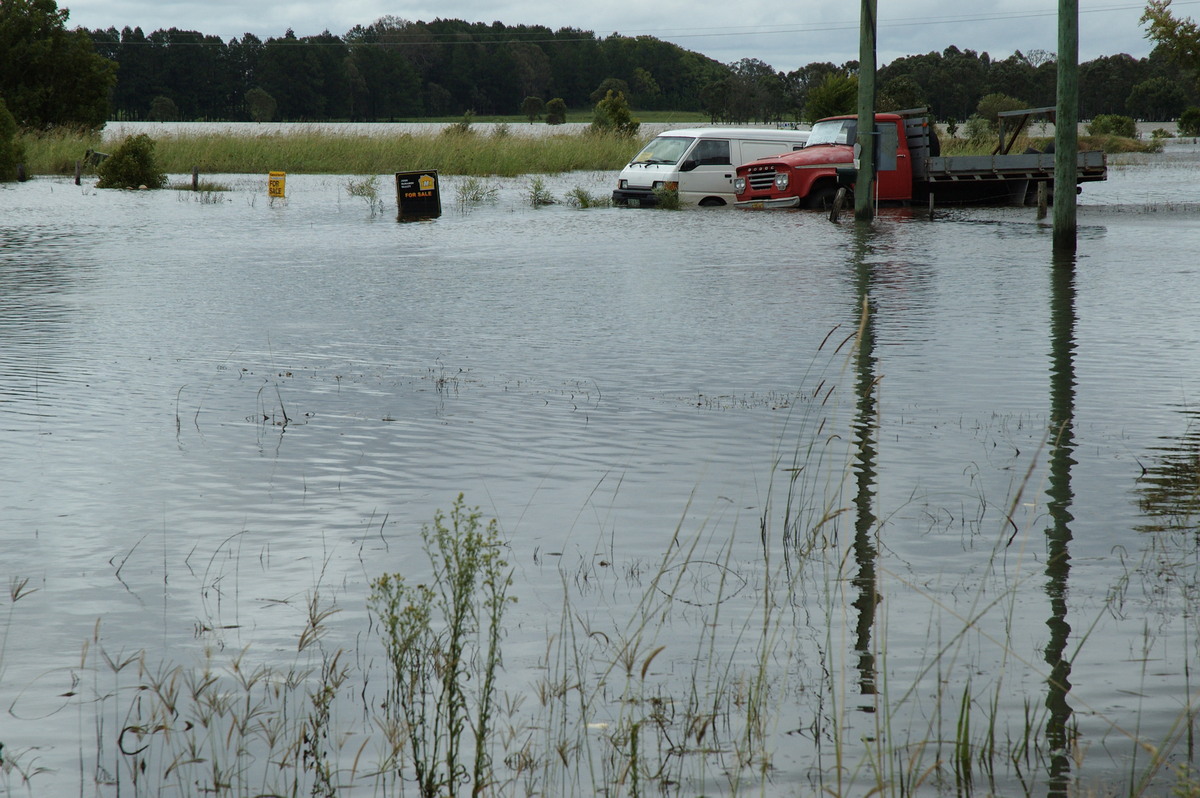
<point>739,185</point>
<point>781,181</point>
<point>622,184</point>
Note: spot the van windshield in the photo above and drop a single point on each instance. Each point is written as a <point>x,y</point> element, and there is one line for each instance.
<point>664,149</point>
<point>833,131</point>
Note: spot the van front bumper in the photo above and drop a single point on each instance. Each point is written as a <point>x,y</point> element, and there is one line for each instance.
<point>635,198</point>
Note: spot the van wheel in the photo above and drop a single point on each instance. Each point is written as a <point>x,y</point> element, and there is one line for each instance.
<point>711,202</point>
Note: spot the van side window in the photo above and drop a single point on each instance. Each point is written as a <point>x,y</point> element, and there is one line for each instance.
<point>711,151</point>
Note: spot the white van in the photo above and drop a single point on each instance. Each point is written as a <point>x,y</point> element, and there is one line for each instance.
<point>699,163</point>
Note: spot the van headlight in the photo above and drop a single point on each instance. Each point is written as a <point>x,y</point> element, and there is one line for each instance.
<point>781,181</point>
<point>622,184</point>
<point>739,185</point>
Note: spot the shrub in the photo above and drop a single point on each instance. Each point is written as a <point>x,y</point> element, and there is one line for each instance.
<point>1112,125</point>
<point>442,640</point>
<point>131,165</point>
<point>580,197</point>
<point>613,116</point>
<point>556,111</point>
<point>1189,122</point>
<point>533,107</point>
<point>368,189</point>
<point>538,194</point>
<point>10,148</point>
<point>163,109</point>
<point>991,105</point>
<point>462,127</point>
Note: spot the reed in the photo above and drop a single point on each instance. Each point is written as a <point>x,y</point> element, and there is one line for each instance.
<point>789,643</point>
<point>314,151</point>
<point>56,151</point>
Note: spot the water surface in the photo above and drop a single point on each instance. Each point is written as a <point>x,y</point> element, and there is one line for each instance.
<point>214,406</point>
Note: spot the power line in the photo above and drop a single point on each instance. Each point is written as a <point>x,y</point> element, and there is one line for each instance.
<point>427,37</point>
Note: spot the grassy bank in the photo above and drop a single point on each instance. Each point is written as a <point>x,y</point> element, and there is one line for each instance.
<point>471,152</point>
<point>320,152</point>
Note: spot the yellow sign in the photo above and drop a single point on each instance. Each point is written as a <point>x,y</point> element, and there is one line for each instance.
<point>426,183</point>
<point>276,183</point>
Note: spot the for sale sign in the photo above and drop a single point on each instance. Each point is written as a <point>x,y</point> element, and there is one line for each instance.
<point>418,195</point>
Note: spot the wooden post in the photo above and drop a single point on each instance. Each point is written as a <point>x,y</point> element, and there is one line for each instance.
<point>1042,199</point>
<point>864,185</point>
<point>21,177</point>
<point>78,172</point>
<point>1066,126</point>
<point>931,206</point>
<point>195,178</point>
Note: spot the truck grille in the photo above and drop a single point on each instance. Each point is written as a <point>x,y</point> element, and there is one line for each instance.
<point>761,181</point>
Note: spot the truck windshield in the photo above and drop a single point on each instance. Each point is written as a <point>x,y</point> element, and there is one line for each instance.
<point>664,149</point>
<point>833,131</point>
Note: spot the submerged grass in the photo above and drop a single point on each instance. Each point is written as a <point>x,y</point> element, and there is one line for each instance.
<point>787,670</point>
<point>316,151</point>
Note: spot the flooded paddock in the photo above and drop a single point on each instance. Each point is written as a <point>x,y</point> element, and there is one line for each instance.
<point>791,507</point>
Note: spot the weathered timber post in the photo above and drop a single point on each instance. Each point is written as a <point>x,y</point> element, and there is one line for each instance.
<point>864,183</point>
<point>195,178</point>
<point>1066,126</point>
<point>78,172</point>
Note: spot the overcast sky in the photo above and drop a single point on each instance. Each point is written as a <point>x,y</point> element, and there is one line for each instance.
<point>786,35</point>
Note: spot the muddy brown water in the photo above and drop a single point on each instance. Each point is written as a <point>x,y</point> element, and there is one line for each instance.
<point>212,406</point>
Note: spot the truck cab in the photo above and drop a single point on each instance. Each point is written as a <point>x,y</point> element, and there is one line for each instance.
<point>809,177</point>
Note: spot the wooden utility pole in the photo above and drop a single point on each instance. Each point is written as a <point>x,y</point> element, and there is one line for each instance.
<point>864,185</point>
<point>1066,126</point>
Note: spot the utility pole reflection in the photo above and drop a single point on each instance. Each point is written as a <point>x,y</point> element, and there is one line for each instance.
<point>865,550</point>
<point>1058,536</point>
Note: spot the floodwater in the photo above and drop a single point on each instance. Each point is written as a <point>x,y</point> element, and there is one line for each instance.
<point>715,474</point>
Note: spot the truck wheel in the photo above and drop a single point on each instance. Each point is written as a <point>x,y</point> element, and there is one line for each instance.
<point>821,199</point>
<point>711,202</point>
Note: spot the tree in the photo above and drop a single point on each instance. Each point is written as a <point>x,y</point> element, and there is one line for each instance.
<point>991,105</point>
<point>532,107</point>
<point>163,109</point>
<point>1189,122</point>
<point>1179,37</point>
<point>609,86</point>
<point>613,116</point>
<point>1156,99</point>
<point>260,105</point>
<point>900,93</point>
<point>10,149</point>
<point>49,75</point>
<point>556,111</point>
<point>837,94</point>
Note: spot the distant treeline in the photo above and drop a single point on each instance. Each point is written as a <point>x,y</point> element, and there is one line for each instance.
<point>395,69</point>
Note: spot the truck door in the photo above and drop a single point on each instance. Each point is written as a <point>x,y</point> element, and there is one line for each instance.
<point>894,164</point>
<point>712,174</point>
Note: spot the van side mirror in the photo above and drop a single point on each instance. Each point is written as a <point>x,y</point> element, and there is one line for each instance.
<point>688,165</point>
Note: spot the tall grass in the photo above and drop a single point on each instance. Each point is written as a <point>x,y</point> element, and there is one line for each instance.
<point>727,667</point>
<point>316,151</point>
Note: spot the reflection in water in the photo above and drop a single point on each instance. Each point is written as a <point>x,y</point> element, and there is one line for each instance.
<point>865,427</point>
<point>1170,489</point>
<point>1058,535</point>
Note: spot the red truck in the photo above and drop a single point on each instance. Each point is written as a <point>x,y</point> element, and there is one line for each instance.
<point>910,168</point>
